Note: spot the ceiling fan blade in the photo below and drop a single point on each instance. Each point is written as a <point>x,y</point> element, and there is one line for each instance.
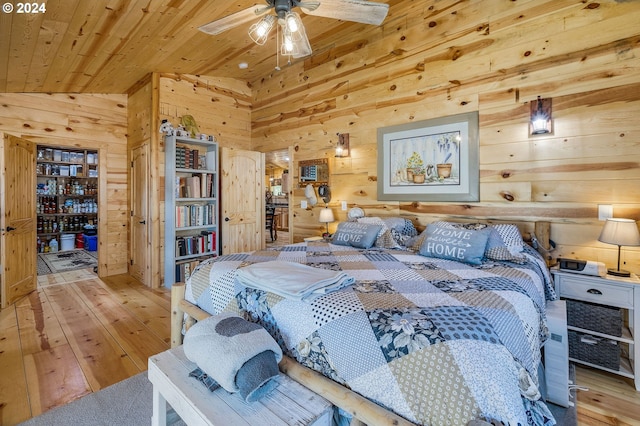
<point>307,5</point>
<point>223,24</point>
<point>365,12</point>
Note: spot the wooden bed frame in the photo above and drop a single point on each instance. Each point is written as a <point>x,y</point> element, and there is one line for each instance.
<point>363,410</point>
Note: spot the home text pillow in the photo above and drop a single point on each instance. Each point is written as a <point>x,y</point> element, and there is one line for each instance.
<point>462,245</point>
<point>505,241</point>
<point>354,234</point>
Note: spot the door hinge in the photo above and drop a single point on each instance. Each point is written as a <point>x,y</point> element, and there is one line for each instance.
<point>132,164</point>
<point>131,261</point>
<point>131,213</point>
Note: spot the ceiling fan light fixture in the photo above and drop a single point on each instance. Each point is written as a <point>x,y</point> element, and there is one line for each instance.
<point>259,32</point>
<point>295,45</point>
<point>292,22</point>
<point>294,37</point>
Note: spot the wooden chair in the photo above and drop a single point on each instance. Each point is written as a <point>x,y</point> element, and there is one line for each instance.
<point>271,222</point>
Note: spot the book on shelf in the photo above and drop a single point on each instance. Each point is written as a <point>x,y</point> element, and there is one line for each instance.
<point>195,215</point>
<point>187,158</point>
<point>184,270</point>
<point>193,187</point>
<point>203,243</point>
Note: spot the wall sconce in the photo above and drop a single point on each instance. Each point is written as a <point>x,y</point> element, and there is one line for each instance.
<point>540,117</point>
<point>342,146</point>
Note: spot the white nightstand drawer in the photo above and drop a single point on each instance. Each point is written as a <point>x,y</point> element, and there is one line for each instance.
<point>595,290</point>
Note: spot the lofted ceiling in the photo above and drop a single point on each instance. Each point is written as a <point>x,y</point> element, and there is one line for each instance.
<point>107,46</point>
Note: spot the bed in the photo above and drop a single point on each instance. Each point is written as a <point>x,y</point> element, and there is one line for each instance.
<point>421,337</point>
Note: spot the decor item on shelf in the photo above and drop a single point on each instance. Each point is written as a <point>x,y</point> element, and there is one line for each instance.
<point>294,41</point>
<point>326,217</point>
<point>166,127</point>
<point>540,117</point>
<point>342,146</point>
<point>620,232</point>
<point>189,124</point>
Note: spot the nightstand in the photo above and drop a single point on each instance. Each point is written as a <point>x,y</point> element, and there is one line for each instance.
<point>612,299</point>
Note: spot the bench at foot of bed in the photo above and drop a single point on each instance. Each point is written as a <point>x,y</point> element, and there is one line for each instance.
<point>288,404</point>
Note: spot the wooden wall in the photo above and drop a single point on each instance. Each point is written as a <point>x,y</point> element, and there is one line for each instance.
<point>91,121</point>
<point>439,58</point>
<point>220,106</point>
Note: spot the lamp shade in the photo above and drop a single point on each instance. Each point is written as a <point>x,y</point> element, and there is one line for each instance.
<point>620,232</point>
<point>326,215</point>
<point>259,32</point>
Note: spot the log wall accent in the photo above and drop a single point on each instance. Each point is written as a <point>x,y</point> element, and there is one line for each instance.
<point>493,57</point>
<point>92,121</point>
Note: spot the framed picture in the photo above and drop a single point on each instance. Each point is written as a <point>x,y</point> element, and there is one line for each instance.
<point>430,160</point>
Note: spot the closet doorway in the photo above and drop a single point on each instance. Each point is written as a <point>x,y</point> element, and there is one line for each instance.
<point>278,194</point>
<point>66,211</point>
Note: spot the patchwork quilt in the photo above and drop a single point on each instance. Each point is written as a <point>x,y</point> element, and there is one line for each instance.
<point>436,341</point>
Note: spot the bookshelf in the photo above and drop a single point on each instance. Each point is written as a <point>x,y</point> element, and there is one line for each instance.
<point>191,205</point>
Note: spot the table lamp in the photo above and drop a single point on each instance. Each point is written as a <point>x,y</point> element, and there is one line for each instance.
<point>326,216</point>
<point>620,232</point>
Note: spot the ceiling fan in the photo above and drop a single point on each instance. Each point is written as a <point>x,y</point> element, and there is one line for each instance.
<point>294,38</point>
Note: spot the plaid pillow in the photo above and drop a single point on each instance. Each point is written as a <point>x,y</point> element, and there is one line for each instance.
<point>385,238</point>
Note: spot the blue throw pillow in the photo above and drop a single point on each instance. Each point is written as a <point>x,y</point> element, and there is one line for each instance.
<point>354,234</point>
<point>462,245</point>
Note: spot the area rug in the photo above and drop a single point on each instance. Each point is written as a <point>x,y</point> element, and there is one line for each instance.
<point>43,268</point>
<point>68,260</point>
<point>127,403</point>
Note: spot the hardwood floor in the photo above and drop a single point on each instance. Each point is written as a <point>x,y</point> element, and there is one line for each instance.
<point>78,334</point>
<point>75,335</point>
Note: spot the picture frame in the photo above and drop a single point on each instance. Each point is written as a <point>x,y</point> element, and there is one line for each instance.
<point>430,160</point>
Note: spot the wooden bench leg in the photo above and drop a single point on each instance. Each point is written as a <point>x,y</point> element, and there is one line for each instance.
<point>159,416</point>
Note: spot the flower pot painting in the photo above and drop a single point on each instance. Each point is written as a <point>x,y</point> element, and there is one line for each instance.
<point>427,160</point>
<point>430,160</point>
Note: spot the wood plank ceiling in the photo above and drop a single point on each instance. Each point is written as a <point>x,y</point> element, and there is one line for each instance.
<point>106,46</point>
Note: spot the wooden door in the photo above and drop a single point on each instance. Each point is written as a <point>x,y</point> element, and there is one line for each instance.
<point>242,200</point>
<point>17,219</point>
<point>140,264</point>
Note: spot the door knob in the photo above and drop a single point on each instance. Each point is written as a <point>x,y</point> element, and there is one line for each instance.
<point>10,228</point>
<point>226,219</point>
<point>143,222</point>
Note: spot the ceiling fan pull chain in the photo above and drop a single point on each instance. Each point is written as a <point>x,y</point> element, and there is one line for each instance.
<point>277,48</point>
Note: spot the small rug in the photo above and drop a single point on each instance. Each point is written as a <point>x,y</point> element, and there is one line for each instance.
<point>127,403</point>
<point>69,260</point>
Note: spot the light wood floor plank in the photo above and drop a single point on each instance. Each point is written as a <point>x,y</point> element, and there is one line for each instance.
<point>54,378</point>
<point>101,357</point>
<point>14,401</point>
<point>151,308</point>
<point>39,329</point>
<point>137,340</point>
